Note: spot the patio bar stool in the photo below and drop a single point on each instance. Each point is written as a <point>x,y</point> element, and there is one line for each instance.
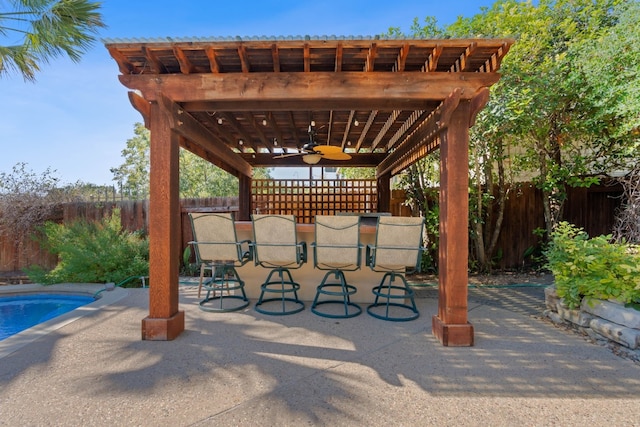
<point>397,251</point>
<point>275,246</point>
<point>218,250</point>
<point>336,248</point>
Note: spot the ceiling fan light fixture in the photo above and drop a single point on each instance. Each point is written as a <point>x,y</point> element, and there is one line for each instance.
<point>311,159</point>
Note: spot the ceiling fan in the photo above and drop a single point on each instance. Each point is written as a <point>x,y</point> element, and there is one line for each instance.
<point>312,152</point>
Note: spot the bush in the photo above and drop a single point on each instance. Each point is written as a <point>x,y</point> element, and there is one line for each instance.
<point>93,252</point>
<point>595,267</point>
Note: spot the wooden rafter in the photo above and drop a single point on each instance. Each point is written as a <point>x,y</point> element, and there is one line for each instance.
<point>188,127</point>
<point>365,129</point>
<point>338,61</point>
<point>406,128</point>
<point>402,57</point>
<point>307,58</point>
<point>432,62</point>
<point>423,140</point>
<point>275,56</point>
<point>371,58</point>
<point>258,129</point>
<point>156,65</point>
<point>385,128</point>
<point>276,129</point>
<point>463,64</point>
<point>294,129</point>
<point>186,67</point>
<point>244,61</point>
<point>213,60</point>
<point>244,137</point>
<point>345,136</point>
<point>124,65</point>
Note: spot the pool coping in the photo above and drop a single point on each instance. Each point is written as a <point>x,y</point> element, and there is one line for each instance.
<point>19,340</point>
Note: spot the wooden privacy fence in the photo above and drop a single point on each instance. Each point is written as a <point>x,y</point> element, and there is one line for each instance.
<point>591,208</point>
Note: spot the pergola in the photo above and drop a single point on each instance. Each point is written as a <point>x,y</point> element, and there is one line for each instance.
<point>239,103</point>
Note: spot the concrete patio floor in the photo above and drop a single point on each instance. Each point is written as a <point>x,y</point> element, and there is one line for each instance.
<point>248,369</point>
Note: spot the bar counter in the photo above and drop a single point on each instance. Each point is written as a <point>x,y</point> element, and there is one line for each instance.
<point>307,276</point>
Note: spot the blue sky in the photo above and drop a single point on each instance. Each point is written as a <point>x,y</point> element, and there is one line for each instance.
<point>76,118</point>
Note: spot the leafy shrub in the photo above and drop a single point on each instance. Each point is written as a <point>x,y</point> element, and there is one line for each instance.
<point>93,252</point>
<point>592,267</point>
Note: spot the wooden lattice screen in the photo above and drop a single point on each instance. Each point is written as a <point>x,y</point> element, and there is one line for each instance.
<point>306,198</point>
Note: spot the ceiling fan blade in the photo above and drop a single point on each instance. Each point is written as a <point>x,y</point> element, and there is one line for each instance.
<point>285,155</point>
<point>327,149</point>
<point>336,156</point>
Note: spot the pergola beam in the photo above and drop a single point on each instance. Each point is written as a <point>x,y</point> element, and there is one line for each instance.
<point>272,160</point>
<point>303,88</point>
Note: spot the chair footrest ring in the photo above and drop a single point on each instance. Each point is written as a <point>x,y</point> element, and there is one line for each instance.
<point>298,306</point>
<point>386,316</point>
<point>385,292</point>
<point>204,306</point>
<point>346,306</point>
<point>348,289</point>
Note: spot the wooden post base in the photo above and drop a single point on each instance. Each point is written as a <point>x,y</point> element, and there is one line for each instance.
<point>452,335</point>
<point>161,329</point>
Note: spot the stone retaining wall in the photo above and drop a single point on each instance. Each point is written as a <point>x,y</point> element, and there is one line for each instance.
<point>606,322</point>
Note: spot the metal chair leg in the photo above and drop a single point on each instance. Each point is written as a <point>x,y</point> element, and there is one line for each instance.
<point>281,287</point>
<point>391,293</point>
<point>341,291</point>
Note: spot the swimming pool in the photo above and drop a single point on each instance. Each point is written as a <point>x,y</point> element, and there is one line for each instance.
<point>101,298</point>
<point>20,312</point>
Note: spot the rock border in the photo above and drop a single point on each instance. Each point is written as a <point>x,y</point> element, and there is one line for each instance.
<point>605,322</point>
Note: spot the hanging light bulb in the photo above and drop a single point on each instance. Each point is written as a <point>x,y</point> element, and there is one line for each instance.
<point>219,120</point>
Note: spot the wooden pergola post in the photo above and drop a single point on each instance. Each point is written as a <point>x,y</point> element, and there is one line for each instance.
<point>165,321</point>
<point>244,198</point>
<point>384,192</point>
<point>451,324</point>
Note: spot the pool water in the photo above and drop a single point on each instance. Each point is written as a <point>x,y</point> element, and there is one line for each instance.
<point>21,312</point>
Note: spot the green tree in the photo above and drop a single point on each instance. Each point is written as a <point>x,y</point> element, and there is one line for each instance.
<point>46,29</point>
<point>132,175</point>
<point>199,178</point>
<point>357,173</point>
<point>539,110</point>
<point>561,114</point>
